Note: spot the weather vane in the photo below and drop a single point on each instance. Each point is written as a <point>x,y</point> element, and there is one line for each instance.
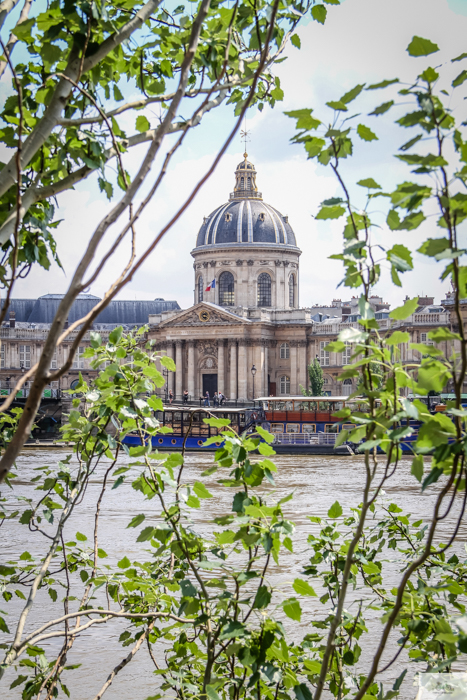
<point>245,136</point>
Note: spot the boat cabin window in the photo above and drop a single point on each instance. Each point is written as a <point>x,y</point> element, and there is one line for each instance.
<point>277,428</point>
<point>293,428</point>
<point>308,428</point>
<point>348,426</point>
<point>331,428</point>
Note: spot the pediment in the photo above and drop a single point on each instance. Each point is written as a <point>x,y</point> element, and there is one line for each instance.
<point>203,314</point>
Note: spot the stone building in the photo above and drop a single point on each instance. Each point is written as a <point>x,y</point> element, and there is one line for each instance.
<point>24,332</point>
<point>245,316</point>
<point>246,313</point>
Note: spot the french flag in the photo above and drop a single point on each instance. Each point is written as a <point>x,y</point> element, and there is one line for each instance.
<point>211,286</point>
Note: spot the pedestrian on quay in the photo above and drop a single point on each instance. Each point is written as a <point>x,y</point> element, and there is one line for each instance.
<point>206,399</point>
<point>171,396</point>
<point>221,399</point>
<point>215,399</point>
<point>185,397</point>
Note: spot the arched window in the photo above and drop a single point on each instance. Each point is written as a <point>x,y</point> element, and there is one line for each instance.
<point>200,288</point>
<point>226,289</point>
<point>285,351</point>
<point>264,289</point>
<point>292,291</point>
<point>285,385</point>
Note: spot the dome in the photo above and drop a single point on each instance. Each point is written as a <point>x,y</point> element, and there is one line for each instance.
<point>245,219</point>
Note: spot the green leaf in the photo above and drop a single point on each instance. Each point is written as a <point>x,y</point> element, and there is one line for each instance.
<point>460,79</point>
<point>115,335</point>
<point>382,84</point>
<point>434,246</point>
<point>370,183</point>
<point>417,468</point>
<point>262,598</point>
<point>407,309</point>
<point>304,118</point>
<point>264,434</point>
<point>421,47</point>
<point>201,490</point>
<point>217,422</point>
<point>188,589</point>
<point>193,502</point>
<point>400,257</point>
<point>459,58</point>
<point>430,75</point>
<point>292,609</point>
<point>319,12</point>
<point>352,94</point>
<point>302,692</point>
<point>18,681</point>
<point>124,563</point>
<point>411,143</point>
<point>330,212</point>
<point>337,105</point>
<point>142,124</point>
<point>393,220</point>
<point>4,626</point>
<point>295,39</point>
<point>366,133</point>
<point>146,534</point>
<point>232,630</point>
<point>102,554</point>
<point>137,520</point>
<point>212,693</point>
<point>95,339</point>
<point>335,511</point>
<point>168,363</point>
<point>303,587</point>
<point>382,108</point>
<point>79,536</point>
<point>398,337</point>
<point>432,477</point>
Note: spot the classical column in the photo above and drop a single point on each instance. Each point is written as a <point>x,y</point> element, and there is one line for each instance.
<point>302,365</point>
<point>233,369</point>
<point>242,370</point>
<point>191,369</point>
<point>169,351</point>
<point>293,368</point>
<point>220,367</point>
<point>179,372</point>
<point>265,391</point>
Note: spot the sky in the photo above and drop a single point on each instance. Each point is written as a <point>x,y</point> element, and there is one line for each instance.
<point>363,41</point>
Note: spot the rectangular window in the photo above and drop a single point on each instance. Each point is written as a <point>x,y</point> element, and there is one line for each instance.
<point>25,356</point>
<point>323,354</point>
<point>2,356</point>
<point>309,428</point>
<point>54,385</point>
<point>346,354</point>
<point>78,361</point>
<point>425,339</point>
<point>331,428</point>
<point>277,427</point>
<point>293,428</point>
<point>53,364</point>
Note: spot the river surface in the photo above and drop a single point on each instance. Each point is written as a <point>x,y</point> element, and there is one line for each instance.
<point>317,482</point>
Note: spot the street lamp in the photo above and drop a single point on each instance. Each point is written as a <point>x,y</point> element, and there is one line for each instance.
<point>165,373</point>
<point>253,372</point>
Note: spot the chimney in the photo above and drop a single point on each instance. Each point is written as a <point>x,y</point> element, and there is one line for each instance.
<point>12,319</point>
<point>66,324</point>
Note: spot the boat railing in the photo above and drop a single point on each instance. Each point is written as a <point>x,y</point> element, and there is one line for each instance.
<point>305,438</point>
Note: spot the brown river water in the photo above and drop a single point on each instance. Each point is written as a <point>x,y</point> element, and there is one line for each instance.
<point>316,483</point>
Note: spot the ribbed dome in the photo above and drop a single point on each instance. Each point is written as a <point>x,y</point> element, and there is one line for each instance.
<point>245,219</point>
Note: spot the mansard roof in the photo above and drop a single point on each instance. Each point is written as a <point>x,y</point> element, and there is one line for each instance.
<point>118,312</point>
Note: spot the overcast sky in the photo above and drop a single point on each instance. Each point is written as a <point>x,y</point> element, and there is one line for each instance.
<point>363,41</point>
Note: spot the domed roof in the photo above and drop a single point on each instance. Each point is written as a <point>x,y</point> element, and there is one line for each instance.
<point>245,219</point>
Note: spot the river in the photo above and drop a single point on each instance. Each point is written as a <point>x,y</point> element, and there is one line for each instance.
<point>316,483</point>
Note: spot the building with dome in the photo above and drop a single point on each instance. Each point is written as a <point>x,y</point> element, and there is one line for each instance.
<point>245,335</point>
